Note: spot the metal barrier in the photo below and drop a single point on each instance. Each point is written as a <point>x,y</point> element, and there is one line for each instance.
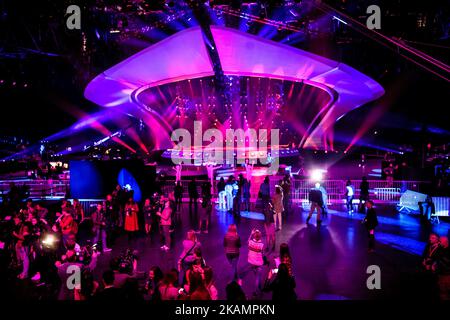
<point>38,189</point>
<point>380,190</point>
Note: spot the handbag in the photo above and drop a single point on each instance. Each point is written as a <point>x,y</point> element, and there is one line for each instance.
<point>185,262</point>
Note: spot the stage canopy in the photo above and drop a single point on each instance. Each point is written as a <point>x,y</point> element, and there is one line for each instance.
<point>185,56</point>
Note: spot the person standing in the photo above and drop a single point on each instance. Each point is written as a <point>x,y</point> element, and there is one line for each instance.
<point>286,186</point>
<point>193,194</point>
<point>131,224</point>
<point>246,195</point>
<point>205,214</point>
<point>78,211</point>
<point>349,193</point>
<point>256,258</point>
<point>209,283</point>
<point>278,207</point>
<point>364,190</point>
<point>264,192</point>
<point>237,192</point>
<point>178,192</point>
<point>442,268</point>
<point>316,199</point>
<point>232,245</point>
<point>430,253</point>
<point>222,194</point>
<point>229,193</point>
<point>371,222</point>
<point>282,285</point>
<point>269,226</point>
<point>166,222</point>
<point>324,200</point>
<point>99,222</point>
<point>147,210</point>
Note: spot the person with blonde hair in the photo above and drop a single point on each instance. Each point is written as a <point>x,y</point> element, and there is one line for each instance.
<point>277,201</point>
<point>187,256</point>
<point>256,258</point>
<point>232,245</point>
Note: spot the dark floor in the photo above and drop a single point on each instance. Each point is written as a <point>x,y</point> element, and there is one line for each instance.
<point>329,263</point>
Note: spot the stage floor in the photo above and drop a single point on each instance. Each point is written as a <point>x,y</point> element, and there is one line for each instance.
<point>328,263</point>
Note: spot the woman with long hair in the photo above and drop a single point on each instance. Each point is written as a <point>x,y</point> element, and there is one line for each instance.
<point>232,245</point>
<point>197,288</point>
<point>209,282</point>
<point>154,281</point>
<point>277,201</point>
<point>168,289</point>
<point>284,257</point>
<point>187,256</point>
<point>282,285</point>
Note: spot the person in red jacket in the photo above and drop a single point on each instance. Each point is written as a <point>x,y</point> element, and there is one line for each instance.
<point>131,219</point>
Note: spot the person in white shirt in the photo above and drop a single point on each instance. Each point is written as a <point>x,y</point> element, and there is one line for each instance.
<point>349,193</point>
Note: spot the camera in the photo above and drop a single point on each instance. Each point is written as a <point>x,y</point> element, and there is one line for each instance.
<point>125,262</point>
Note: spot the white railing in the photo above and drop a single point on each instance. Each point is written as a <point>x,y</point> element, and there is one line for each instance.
<point>38,189</point>
<point>380,190</point>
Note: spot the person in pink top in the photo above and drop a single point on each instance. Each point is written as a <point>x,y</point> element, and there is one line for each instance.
<point>166,222</point>
<point>256,258</point>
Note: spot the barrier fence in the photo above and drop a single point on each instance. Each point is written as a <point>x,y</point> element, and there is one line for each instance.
<point>380,190</point>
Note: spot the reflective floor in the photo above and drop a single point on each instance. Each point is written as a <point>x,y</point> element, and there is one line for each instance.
<point>329,263</point>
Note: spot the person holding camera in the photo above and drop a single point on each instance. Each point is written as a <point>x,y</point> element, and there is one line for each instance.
<point>282,284</point>
<point>69,261</point>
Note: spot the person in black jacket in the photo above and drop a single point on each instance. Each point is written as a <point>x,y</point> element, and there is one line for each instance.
<point>193,194</point>
<point>363,194</point>
<point>178,195</point>
<point>282,285</point>
<point>109,293</point>
<point>442,268</point>
<point>371,222</point>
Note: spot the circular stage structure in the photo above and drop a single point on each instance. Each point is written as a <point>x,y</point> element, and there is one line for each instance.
<point>263,85</point>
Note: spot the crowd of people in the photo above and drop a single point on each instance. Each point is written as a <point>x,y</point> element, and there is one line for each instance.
<point>44,244</point>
